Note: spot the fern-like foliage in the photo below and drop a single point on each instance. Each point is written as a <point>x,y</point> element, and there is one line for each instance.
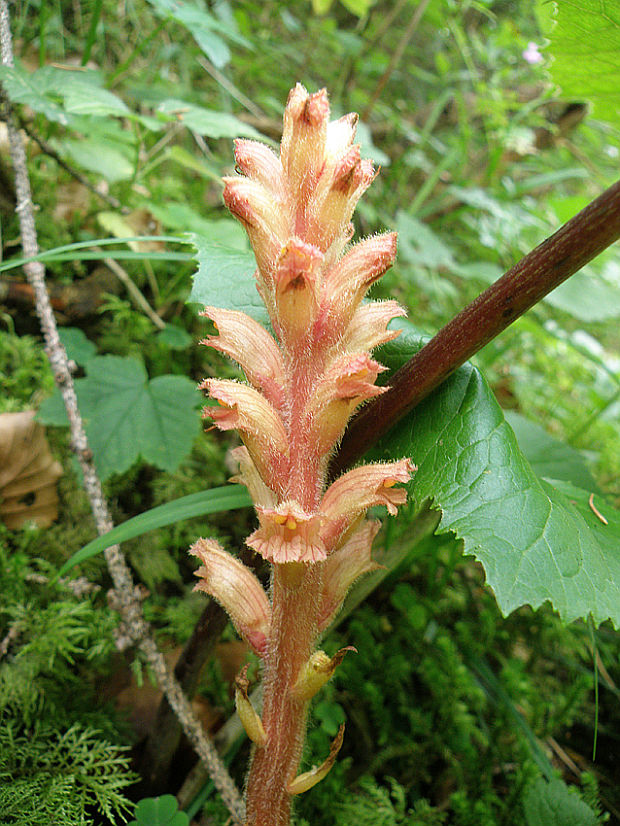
<point>48,776</point>
<point>60,760</point>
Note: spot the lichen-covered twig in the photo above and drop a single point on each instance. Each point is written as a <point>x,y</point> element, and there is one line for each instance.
<point>129,606</point>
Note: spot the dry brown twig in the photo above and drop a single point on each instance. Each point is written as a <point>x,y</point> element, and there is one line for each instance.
<point>129,607</point>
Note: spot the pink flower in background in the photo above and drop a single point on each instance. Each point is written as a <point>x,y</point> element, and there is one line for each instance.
<point>531,54</point>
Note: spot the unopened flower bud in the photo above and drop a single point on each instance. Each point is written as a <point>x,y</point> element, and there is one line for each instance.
<point>316,672</point>
<point>343,567</point>
<point>297,288</point>
<point>250,720</point>
<point>259,163</point>
<point>303,139</point>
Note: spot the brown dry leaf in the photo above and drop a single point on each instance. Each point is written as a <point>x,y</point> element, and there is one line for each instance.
<point>141,702</point>
<point>73,200</point>
<point>138,222</point>
<point>28,472</point>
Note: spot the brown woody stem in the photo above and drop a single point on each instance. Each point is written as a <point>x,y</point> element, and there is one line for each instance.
<point>543,269</point>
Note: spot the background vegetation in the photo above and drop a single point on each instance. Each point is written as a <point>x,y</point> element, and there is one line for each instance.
<point>454,713</point>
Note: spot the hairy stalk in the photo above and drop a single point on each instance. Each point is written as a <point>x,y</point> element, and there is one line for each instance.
<point>293,637</point>
<point>543,269</point>
<point>128,605</point>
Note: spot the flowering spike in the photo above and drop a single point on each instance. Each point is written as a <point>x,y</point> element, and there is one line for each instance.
<point>307,780</point>
<point>250,720</point>
<point>304,384</point>
<point>235,587</point>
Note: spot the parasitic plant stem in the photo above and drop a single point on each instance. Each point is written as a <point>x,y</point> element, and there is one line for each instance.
<point>303,385</point>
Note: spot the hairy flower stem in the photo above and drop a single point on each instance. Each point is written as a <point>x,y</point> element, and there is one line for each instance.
<point>284,717</point>
<point>303,384</point>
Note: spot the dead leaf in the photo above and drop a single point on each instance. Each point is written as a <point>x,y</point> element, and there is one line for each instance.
<point>73,200</point>
<point>138,222</point>
<point>28,472</point>
<point>141,702</point>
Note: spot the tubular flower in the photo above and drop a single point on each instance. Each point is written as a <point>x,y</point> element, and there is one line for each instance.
<point>304,383</point>
<point>288,534</point>
<point>236,588</point>
<point>250,345</point>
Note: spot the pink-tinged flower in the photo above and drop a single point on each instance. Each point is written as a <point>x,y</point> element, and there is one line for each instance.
<point>261,428</point>
<point>343,568</point>
<point>238,591</point>
<point>297,288</point>
<point>359,489</point>
<point>368,327</point>
<point>531,55</point>
<point>346,383</point>
<point>288,534</point>
<point>340,135</point>
<point>266,221</point>
<point>302,150</point>
<point>250,477</point>
<point>250,345</point>
<point>347,281</point>
<point>259,163</point>
<point>332,204</point>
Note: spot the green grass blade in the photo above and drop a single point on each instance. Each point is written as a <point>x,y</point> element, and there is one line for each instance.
<point>56,252</point>
<point>495,691</point>
<point>91,37</point>
<point>215,500</point>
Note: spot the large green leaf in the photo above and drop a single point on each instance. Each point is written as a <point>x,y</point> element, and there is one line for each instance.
<point>207,122</point>
<point>207,30</point>
<point>35,89</point>
<point>535,543</point>
<point>587,296</point>
<point>225,278</point>
<point>215,500</point>
<point>127,416</point>
<point>60,93</point>
<point>103,158</point>
<point>585,44</point>
<point>554,804</point>
<point>550,458</point>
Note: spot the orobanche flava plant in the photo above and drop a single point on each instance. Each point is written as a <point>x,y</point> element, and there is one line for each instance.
<point>303,384</point>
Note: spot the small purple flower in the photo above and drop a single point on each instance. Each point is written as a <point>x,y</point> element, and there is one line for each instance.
<point>531,54</point>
